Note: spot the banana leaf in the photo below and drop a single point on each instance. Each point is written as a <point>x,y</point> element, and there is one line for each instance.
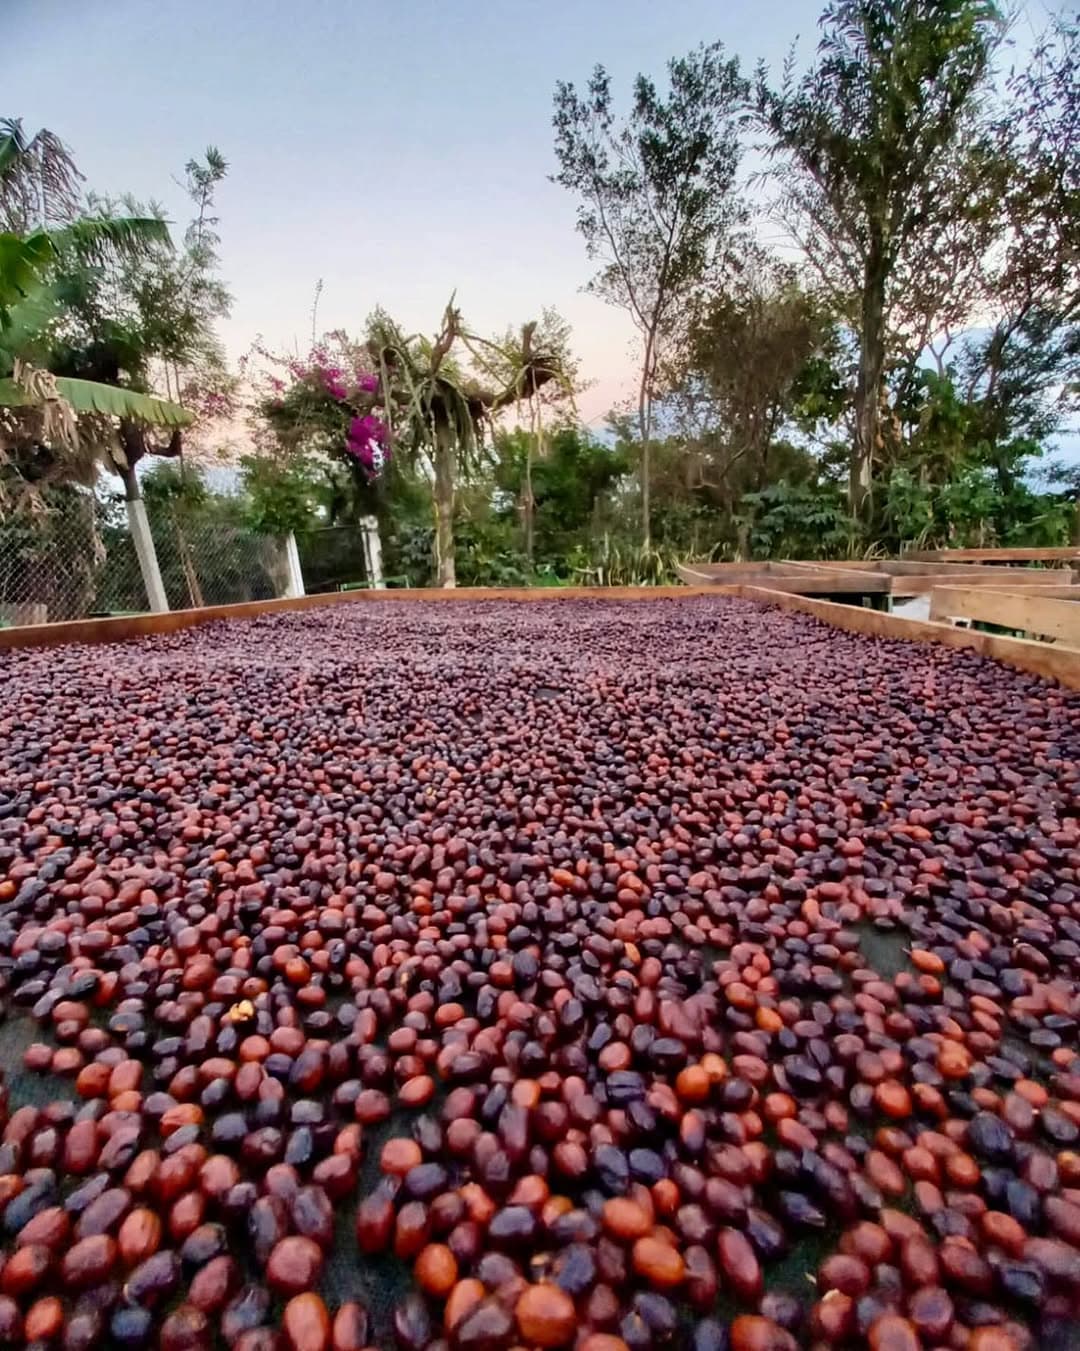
<point>89,396</point>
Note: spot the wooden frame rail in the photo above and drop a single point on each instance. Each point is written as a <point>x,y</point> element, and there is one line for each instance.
<point>1051,660</point>
<point>797,577</point>
<point>122,627</point>
<point>914,578</point>
<point>897,577</point>
<point>1062,554</point>
<point>1034,612</point>
<point>1054,661</point>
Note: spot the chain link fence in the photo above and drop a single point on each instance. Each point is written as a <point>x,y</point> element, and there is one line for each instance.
<point>73,557</point>
<point>216,562</point>
<point>67,559</point>
<point>333,558</point>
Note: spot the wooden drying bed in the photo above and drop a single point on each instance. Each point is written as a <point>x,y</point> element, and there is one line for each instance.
<point>1053,660</point>
<point>795,578</point>
<point>1046,612</point>
<point>890,577</point>
<point>1065,554</point>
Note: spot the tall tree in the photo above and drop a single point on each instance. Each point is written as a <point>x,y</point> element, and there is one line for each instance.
<point>744,368</point>
<point>148,322</point>
<point>862,136</point>
<point>505,363</point>
<point>993,290</point>
<point>53,427</point>
<point>657,202</point>
<point>39,181</point>
<point>439,410</point>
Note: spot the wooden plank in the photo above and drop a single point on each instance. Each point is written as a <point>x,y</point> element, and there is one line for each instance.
<point>727,569</point>
<point>918,584</point>
<point>823,584</point>
<point>1002,555</point>
<point>1029,611</point>
<point>892,567</point>
<point>914,578</point>
<point>124,627</point>
<point>830,566</point>
<point>1050,660</point>
<point>799,579</point>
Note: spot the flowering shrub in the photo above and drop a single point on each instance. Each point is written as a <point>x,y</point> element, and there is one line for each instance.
<point>329,402</point>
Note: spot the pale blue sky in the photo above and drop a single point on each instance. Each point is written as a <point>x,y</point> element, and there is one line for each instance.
<point>398,150</point>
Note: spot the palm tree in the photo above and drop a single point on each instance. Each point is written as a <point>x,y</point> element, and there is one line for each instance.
<point>437,410</point>
<point>39,182</point>
<point>72,423</point>
<point>511,364</point>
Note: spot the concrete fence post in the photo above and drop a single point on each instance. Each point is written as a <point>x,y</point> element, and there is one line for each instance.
<point>294,587</point>
<point>143,540</point>
<point>372,551</point>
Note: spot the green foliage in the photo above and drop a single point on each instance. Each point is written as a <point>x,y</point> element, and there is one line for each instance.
<point>972,510</point>
<point>282,493</point>
<point>787,520</point>
<point>868,138</point>
<point>486,555</point>
<point>752,366</point>
<point>409,552</point>
<point>657,200</point>
<point>87,396</point>
<point>568,481</point>
<point>26,261</point>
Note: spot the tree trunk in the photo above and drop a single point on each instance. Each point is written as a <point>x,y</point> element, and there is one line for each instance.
<point>445,574</point>
<point>191,577</point>
<point>528,505</point>
<point>645,432</point>
<point>528,501</point>
<point>868,385</point>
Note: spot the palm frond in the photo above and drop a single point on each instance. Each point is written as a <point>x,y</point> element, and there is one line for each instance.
<point>22,261</point>
<point>23,323</point>
<point>39,182</point>
<point>97,238</point>
<point>89,396</point>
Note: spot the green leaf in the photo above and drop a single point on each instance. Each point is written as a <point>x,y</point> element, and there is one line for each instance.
<point>22,261</point>
<point>96,237</point>
<point>88,396</point>
<point>26,321</point>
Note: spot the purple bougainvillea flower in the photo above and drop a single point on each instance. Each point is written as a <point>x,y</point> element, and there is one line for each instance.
<point>367,382</point>
<point>369,428</point>
<point>368,442</point>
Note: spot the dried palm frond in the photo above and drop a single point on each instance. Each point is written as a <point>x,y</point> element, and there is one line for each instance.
<point>39,183</point>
